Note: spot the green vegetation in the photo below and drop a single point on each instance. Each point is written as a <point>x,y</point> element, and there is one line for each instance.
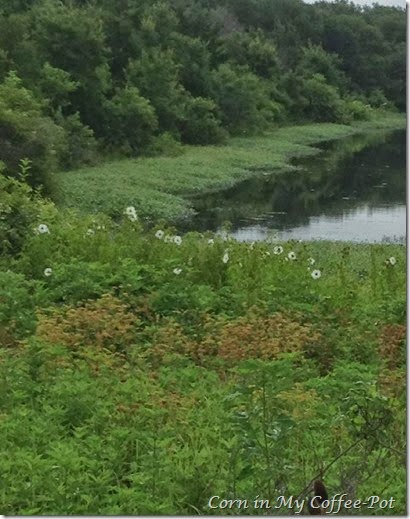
<point>143,374</point>
<point>83,82</point>
<point>161,187</point>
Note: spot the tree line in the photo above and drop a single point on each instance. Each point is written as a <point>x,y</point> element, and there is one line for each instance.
<point>86,79</point>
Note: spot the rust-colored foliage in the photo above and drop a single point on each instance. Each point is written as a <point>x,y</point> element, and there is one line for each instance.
<point>7,338</point>
<point>248,337</point>
<point>169,339</point>
<point>392,345</point>
<point>105,323</point>
<point>265,337</point>
<point>392,382</point>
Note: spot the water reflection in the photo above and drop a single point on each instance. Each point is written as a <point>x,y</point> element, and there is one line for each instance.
<point>354,190</point>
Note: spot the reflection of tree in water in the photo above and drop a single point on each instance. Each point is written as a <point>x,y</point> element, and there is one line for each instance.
<point>347,169</point>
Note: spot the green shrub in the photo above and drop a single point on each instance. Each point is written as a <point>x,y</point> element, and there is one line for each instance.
<point>201,124</point>
<point>20,210</point>
<point>26,133</point>
<point>322,101</point>
<point>17,307</point>
<point>81,147</point>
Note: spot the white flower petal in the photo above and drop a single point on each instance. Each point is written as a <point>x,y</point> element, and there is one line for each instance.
<point>43,229</point>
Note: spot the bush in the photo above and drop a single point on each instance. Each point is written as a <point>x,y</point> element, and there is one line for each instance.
<point>81,147</point>
<point>201,124</point>
<point>242,99</point>
<point>130,121</point>
<point>355,110</point>
<point>322,101</point>
<point>25,132</point>
<point>105,323</point>
<point>17,308</point>
<point>20,208</point>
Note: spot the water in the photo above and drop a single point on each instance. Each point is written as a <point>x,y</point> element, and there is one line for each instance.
<point>354,190</point>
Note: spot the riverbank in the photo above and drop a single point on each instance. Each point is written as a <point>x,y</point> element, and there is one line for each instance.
<point>161,187</point>
<point>143,375</point>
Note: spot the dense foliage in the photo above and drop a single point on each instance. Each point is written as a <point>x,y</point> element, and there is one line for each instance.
<point>79,78</point>
<point>145,373</point>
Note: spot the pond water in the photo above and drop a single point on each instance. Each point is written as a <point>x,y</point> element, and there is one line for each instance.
<point>354,190</point>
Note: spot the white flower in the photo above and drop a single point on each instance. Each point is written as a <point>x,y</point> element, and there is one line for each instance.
<point>131,213</point>
<point>225,258</point>
<point>133,217</point>
<point>392,260</point>
<point>159,234</point>
<point>177,271</point>
<point>311,261</point>
<point>177,240</point>
<point>277,250</point>
<point>43,229</point>
<point>316,274</point>
<point>266,253</point>
<point>90,232</point>
<point>210,241</point>
<point>292,256</point>
<point>48,272</point>
<point>130,210</point>
<point>168,238</point>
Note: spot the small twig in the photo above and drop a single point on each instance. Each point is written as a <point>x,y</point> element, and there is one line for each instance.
<point>401,453</point>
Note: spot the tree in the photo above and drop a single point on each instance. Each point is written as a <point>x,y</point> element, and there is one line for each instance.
<point>156,75</point>
<point>26,133</point>
<point>323,102</point>
<point>242,98</point>
<point>130,120</point>
<point>201,124</point>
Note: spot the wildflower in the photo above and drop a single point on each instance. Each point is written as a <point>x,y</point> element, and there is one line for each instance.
<point>292,256</point>
<point>43,229</point>
<point>210,241</point>
<point>48,272</point>
<point>225,258</point>
<point>131,213</point>
<point>278,250</point>
<point>90,232</point>
<point>177,271</point>
<point>177,240</point>
<point>159,234</point>
<point>266,253</point>
<point>311,261</point>
<point>392,260</point>
<point>130,210</point>
<point>168,238</point>
<point>316,274</point>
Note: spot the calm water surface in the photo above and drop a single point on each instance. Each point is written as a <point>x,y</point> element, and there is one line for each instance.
<point>354,190</point>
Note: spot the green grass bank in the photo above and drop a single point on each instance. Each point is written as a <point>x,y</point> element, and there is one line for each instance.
<point>161,187</point>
